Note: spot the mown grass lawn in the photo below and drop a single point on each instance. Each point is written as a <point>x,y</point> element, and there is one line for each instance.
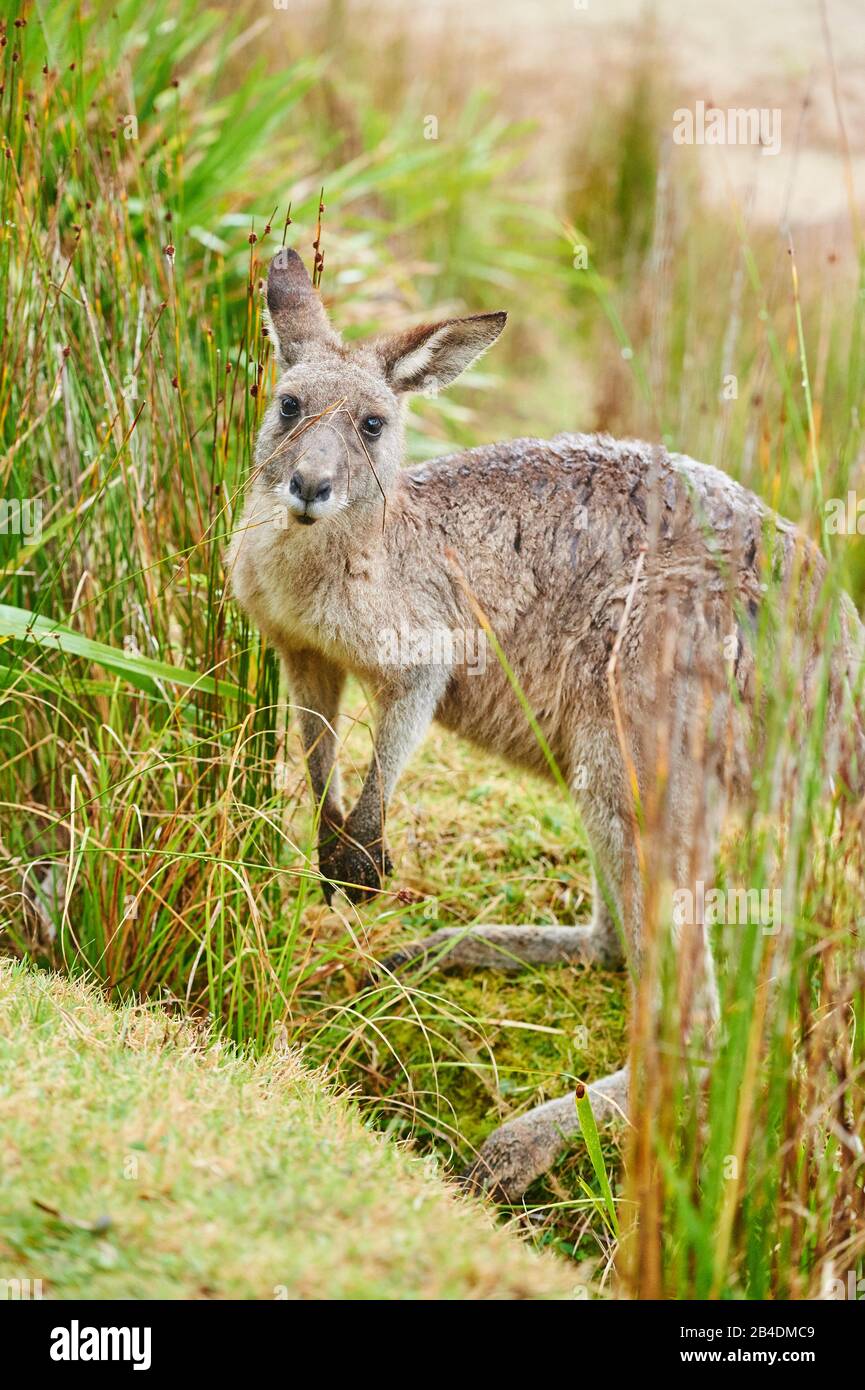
<point>142,1159</point>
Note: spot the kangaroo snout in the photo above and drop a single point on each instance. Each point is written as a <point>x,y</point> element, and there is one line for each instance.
<point>308,488</point>
<point>308,492</point>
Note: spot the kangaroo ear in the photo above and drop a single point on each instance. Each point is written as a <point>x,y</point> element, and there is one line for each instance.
<point>296,315</point>
<point>434,354</point>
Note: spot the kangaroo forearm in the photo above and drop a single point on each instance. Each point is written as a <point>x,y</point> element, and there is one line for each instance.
<point>319,749</point>
<point>316,685</point>
<point>404,721</point>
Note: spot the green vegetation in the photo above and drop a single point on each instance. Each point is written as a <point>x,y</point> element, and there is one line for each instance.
<point>157,832</point>
<point>187,1171</point>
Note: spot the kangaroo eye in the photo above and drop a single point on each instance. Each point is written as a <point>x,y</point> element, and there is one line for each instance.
<point>372,425</point>
<point>289,407</point>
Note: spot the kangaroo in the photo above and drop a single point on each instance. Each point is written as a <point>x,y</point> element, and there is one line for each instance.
<point>612,574</point>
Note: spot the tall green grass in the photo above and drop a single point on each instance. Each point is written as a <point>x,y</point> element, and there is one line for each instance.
<point>145,163</point>
<point>156,828</point>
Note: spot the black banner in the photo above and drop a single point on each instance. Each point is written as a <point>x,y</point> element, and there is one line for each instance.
<point>84,1339</point>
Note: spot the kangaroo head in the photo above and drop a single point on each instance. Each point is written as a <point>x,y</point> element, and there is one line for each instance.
<point>332,437</point>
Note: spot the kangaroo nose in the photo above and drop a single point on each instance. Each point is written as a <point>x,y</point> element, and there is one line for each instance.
<point>309,489</point>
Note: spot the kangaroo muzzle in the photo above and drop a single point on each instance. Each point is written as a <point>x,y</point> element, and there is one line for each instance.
<point>310,487</point>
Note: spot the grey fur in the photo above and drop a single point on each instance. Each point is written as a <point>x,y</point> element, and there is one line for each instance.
<point>610,572</point>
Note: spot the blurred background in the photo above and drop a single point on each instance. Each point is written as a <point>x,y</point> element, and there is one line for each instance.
<point>538,170</point>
